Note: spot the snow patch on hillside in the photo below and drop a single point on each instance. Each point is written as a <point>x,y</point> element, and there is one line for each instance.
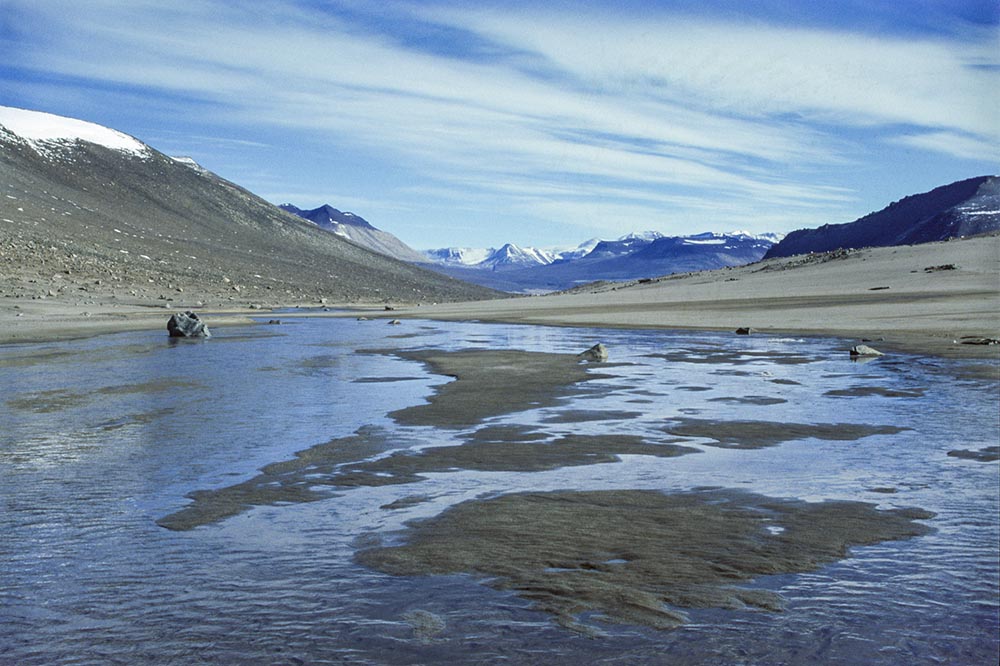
<point>45,131</point>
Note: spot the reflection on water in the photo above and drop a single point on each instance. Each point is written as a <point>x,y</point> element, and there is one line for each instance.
<point>101,438</point>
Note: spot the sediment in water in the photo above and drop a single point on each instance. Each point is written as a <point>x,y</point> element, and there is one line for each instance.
<point>638,557</point>
<point>490,383</point>
<point>316,472</point>
<point>759,434</point>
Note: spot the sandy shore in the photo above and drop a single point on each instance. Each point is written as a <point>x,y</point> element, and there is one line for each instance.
<point>923,298</point>
<point>906,297</point>
<point>44,321</point>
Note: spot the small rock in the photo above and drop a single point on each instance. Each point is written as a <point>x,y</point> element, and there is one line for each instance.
<point>865,350</point>
<point>395,322</point>
<point>362,318</point>
<point>273,322</point>
<point>746,330</point>
<point>597,354</point>
<point>389,308</point>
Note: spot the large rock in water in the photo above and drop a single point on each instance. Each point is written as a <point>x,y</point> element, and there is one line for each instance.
<point>865,350</point>
<point>187,325</point>
<point>596,354</point>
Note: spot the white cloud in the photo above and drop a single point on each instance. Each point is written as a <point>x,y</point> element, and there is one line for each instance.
<point>758,69</point>
<point>675,118</point>
<point>951,143</point>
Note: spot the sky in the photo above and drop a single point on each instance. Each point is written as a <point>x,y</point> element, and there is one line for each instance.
<point>542,123</point>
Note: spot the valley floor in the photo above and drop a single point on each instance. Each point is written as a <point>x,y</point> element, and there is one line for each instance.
<point>933,298</point>
<point>923,298</point>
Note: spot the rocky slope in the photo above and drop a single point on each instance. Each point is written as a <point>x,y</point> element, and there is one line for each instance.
<point>964,208</point>
<point>88,214</point>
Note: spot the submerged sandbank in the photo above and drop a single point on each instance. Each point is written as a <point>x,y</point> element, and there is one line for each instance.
<point>486,383</point>
<point>638,557</point>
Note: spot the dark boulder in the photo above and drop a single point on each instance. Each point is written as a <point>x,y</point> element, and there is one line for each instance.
<point>187,325</point>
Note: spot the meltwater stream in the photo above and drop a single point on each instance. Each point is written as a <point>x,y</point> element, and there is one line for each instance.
<point>101,438</point>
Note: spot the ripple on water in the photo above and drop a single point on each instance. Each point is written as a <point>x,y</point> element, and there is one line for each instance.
<point>86,575</point>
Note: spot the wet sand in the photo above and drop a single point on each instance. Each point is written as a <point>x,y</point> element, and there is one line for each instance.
<point>731,434</point>
<point>54,320</point>
<point>624,556</point>
<point>489,383</point>
<point>638,557</point>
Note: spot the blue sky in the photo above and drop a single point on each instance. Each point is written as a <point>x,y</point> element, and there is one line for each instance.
<point>540,123</point>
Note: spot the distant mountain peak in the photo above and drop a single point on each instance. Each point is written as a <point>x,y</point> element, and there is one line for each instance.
<point>510,255</point>
<point>357,230</point>
<point>642,236</point>
<point>328,216</point>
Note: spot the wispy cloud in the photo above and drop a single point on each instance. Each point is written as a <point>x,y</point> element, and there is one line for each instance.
<point>660,115</point>
<point>953,143</point>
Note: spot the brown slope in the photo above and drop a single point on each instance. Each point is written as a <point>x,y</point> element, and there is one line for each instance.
<point>85,218</point>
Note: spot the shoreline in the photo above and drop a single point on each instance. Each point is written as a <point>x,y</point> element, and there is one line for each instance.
<point>898,298</point>
<point>922,299</point>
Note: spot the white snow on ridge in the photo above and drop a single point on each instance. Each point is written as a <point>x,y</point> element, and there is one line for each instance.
<point>40,130</point>
<point>705,241</point>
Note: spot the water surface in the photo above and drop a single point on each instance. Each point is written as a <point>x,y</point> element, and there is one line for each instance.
<point>101,438</point>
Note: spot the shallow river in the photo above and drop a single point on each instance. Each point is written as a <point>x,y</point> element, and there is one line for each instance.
<point>102,438</point>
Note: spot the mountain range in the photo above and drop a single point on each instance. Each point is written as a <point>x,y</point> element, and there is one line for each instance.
<point>532,270</point>
<point>86,209</point>
<point>631,257</point>
<point>963,208</point>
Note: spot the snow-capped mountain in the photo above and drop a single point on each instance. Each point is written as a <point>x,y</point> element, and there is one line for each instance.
<point>357,230</point>
<point>511,256</point>
<point>48,134</point>
<point>581,250</point>
<point>623,246</point>
<point>459,256</point>
<point>637,255</point>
